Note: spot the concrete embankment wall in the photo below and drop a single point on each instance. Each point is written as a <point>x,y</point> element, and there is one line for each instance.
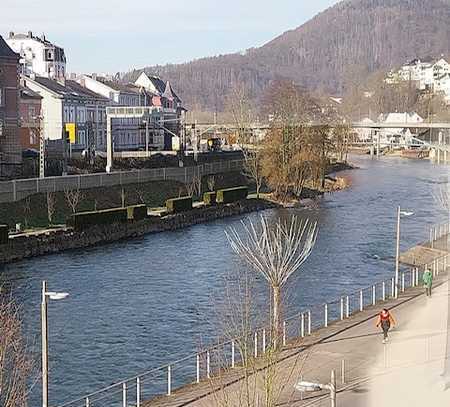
<point>28,246</point>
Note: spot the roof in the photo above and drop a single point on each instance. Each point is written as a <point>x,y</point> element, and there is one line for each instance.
<point>6,51</point>
<point>27,93</point>
<point>120,87</point>
<point>70,88</point>
<point>30,36</point>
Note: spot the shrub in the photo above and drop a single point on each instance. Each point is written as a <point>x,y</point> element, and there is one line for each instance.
<point>209,198</point>
<point>85,220</point>
<point>137,212</point>
<point>176,205</point>
<point>4,231</point>
<point>232,194</point>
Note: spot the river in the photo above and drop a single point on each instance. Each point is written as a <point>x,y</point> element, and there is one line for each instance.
<point>141,303</point>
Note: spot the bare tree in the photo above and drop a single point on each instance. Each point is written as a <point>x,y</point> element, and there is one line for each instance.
<point>140,192</point>
<point>16,365</point>
<point>211,182</point>
<point>26,208</point>
<point>194,187</point>
<point>239,105</point>
<point>275,252</point>
<point>51,207</point>
<point>73,198</point>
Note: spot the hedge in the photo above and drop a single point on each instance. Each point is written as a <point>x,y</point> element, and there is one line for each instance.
<point>4,234</point>
<point>85,220</point>
<point>231,194</point>
<point>209,198</point>
<point>176,205</point>
<point>137,212</point>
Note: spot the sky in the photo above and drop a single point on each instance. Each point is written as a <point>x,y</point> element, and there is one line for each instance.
<point>118,35</point>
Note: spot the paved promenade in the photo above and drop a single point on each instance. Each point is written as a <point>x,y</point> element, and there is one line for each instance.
<point>357,343</point>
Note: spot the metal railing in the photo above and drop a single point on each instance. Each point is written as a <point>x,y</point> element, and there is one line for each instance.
<point>12,191</point>
<point>205,364</point>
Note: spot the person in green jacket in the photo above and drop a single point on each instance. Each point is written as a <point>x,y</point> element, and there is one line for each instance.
<point>428,281</point>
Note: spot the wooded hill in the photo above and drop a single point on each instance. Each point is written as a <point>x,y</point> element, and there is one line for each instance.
<point>337,48</point>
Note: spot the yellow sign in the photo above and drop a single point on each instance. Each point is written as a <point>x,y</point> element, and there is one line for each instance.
<point>70,128</point>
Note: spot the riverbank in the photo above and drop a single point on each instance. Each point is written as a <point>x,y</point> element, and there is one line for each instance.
<point>55,241</point>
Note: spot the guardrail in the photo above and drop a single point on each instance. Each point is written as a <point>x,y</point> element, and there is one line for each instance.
<point>12,191</point>
<point>204,364</point>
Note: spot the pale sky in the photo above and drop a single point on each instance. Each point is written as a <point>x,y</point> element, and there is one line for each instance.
<point>118,35</point>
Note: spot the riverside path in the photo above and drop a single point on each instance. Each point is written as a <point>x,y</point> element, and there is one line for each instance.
<point>408,368</point>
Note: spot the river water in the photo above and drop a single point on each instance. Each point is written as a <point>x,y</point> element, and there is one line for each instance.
<point>142,303</point>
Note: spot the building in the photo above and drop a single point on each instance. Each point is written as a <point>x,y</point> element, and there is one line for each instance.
<point>66,101</point>
<point>38,56</point>
<point>10,150</point>
<point>157,131</point>
<point>398,136</point>
<point>30,118</point>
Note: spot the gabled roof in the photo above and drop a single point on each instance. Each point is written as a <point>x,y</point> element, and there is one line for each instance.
<point>6,52</point>
<point>27,93</point>
<point>68,89</point>
<point>119,87</point>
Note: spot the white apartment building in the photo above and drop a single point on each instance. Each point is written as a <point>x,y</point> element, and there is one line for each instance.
<point>38,56</point>
<point>67,101</point>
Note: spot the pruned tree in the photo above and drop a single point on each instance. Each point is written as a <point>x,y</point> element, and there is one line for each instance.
<point>275,252</point>
<point>194,187</point>
<point>123,196</point>
<point>140,192</point>
<point>73,198</point>
<point>16,364</point>
<point>51,207</point>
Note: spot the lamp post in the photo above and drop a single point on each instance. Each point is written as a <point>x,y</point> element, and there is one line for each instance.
<point>310,387</point>
<point>397,248</point>
<point>46,295</point>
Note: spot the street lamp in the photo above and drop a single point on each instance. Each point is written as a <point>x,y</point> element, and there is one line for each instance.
<point>397,251</point>
<point>46,295</point>
<point>306,387</point>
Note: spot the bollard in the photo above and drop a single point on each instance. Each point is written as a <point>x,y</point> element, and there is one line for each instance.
<point>403,282</point>
<point>264,340</point>
<point>343,371</point>
<point>417,276</point>
<point>384,290</point>
<point>326,315</point>
<point>302,326</point>
<point>138,392</point>
<point>431,237</point>
<point>342,308</point>
<point>87,402</point>
<point>208,365</point>
<point>124,395</point>
<point>392,287</point>
<point>361,300</point>
<point>347,305</point>
<point>232,354</point>
<point>169,381</point>
<point>284,333</point>
<point>309,323</point>
<point>256,344</point>
<point>374,295</point>
<point>198,368</point>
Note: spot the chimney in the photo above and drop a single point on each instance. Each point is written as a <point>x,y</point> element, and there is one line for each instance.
<point>32,76</point>
<point>30,34</point>
<point>61,81</point>
<point>11,34</point>
<point>94,76</point>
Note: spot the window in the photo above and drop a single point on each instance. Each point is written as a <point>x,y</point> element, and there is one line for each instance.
<point>32,113</point>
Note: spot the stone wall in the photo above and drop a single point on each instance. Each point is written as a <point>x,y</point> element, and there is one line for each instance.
<point>24,247</point>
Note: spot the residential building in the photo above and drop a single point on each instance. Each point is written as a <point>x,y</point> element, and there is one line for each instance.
<point>148,91</point>
<point>10,150</point>
<point>30,118</point>
<point>38,56</point>
<point>66,101</point>
<point>398,136</point>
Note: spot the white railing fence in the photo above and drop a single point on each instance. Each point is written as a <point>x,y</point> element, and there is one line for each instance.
<point>207,363</point>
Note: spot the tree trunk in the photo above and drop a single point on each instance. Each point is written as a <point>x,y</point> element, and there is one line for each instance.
<point>276,328</point>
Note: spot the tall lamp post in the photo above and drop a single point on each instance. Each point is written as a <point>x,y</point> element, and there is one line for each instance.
<point>397,247</point>
<point>46,295</point>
